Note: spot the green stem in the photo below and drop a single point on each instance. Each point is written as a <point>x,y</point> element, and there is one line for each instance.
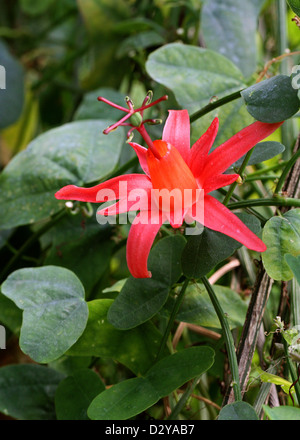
<point>267,169</point>
<point>286,170</point>
<point>174,312</point>
<point>250,210</point>
<point>184,398</point>
<point>276,201</point>
<point>234,368</point>
<point>295,306</point>
<point>213,105</point>
<point>240,172</point>
<point>292,370</point>
<point>261,178</point>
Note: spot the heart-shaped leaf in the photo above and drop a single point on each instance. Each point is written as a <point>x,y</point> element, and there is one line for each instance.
<point>54,311</point>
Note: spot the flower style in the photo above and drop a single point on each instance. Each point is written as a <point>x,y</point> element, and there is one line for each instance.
<point>170,164</point>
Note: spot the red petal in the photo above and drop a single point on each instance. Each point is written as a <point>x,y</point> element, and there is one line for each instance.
<point>139,242</point>
<point>221,219</point>
<point>201,147</point>
<point>219,181</point>
<point>238,145</point>
<point>141,153</point>
<point>112,189</point>
<point>177,131</point>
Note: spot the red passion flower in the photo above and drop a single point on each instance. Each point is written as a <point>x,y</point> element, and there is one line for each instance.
<point>187,174</point>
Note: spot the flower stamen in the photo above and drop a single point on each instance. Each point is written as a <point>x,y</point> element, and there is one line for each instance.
<point>135,116</point>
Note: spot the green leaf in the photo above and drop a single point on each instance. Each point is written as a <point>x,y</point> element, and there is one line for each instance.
<point>281,236</point>
<point>282,413</point>
<point>294,263</point>
<point>272,100</point>
<point>238,411</point>
<point>75,153</point>
<point>54,310</point>
<point>224,31</point>
<point>27,391</point>
<point>75,393</point>
<point>203,252</point>
<point>197,308</point>
<point>116,287</point>
<point>135,348</point>
<point>193,74</point>
<point>198,76</point>
<point>262,152</point>
<point>132,396</point>
<point>11,87</point>
<point>295,6</point>
<point>140,299</point>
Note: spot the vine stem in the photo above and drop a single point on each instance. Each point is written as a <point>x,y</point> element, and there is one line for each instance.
<point>276,201</point>
<point>184,398</point>
<point>174,312</point>
<point>213,105</point>
<point>240,172</point>
<point>292,370</point>
<point>228,339</point>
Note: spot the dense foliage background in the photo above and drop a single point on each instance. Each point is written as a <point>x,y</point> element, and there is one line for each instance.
<point>80,338</point>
